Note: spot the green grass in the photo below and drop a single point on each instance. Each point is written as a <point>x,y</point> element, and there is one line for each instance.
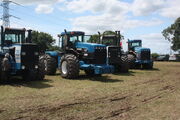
<point>140,94</point>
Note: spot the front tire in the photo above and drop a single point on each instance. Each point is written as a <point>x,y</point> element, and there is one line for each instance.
<point>69,66</point>
<point>131,60</point>
<point>50,65</point>
<point>4,75</point>
<point>124,66</point>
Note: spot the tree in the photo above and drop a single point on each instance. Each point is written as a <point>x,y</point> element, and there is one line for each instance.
<point>94,39</point>
<point>172,34</point>
<point>44,40</point>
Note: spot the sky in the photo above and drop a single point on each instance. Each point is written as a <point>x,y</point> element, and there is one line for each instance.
<point>136,19</point>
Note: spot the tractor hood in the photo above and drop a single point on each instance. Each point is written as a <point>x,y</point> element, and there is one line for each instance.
<point>90,46</point>
<point>139,49</point>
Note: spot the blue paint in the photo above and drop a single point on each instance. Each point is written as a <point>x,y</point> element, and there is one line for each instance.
<point>52,53</point>
<point>98,69</point>
<point>89,46</point>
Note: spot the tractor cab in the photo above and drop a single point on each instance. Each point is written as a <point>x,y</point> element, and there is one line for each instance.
<point>69,39</point>
<point>133,44</point>
<point>111,40</point>
<point>10,36</point>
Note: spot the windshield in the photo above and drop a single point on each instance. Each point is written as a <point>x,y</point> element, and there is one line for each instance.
<point>15,38</point>
<point>109,41</point>
<point>74,39</point>
<point>136,44</point>
<point>88,38</point>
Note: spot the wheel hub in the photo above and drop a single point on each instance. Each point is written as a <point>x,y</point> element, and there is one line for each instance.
<point>64,67</point>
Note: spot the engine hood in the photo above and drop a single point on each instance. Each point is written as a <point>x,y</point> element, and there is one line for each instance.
<point>89,46</point>
<point>139,49</point>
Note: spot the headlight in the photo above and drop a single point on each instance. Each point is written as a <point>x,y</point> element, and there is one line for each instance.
<point>23,67</point>
<point>23,53</point>
<point>36,66</point>
<point>85,54</point>
<point>36,53</point>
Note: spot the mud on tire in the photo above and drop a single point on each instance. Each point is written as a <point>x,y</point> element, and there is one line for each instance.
<point>4,75</point>
<point>131,60</point>
<point>69,66</point>
<point>124,66</point>
<point>50,64</point>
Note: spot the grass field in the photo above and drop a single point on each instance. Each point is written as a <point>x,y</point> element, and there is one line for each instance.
<point>138,95</point>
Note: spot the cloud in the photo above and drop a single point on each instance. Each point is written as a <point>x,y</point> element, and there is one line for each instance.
<point>44,8</point>
<point>146,7</point>
<point>172,9</point>
<point>110,6</point>
<point>156,42</point>
<point>92,24</point>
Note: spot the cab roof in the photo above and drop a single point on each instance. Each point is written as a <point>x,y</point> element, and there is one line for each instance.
<point>14,30</point>
<point>129,41</point>
<point>72,33</point>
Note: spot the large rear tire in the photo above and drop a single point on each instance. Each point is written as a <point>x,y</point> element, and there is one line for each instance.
<point>4,75</point>
<point>50,64</point>
<point>131,60</point>
<point>69,66</point>
<point>124,66</point>
<point>41,70</point>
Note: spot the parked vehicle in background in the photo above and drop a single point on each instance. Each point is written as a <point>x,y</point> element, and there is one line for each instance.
<point>162,58</point>
<point>174,57</point>
<point>138,56</point>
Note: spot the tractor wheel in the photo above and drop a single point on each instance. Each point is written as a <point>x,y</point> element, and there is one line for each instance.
<point>69,66</point>
<point>131,60</point>
<point>124,67</point>
<point>0,68</point>
<point>50,64</point>
<point>41,70</point>
<point>4,75</point>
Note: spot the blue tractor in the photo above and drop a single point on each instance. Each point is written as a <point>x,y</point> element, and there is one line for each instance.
<point>138,56</point>
<point>19,56</point>
<point>77,55</point>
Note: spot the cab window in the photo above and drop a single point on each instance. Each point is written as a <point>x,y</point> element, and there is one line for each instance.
<point>15,38</point>
<point>136,44</point>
